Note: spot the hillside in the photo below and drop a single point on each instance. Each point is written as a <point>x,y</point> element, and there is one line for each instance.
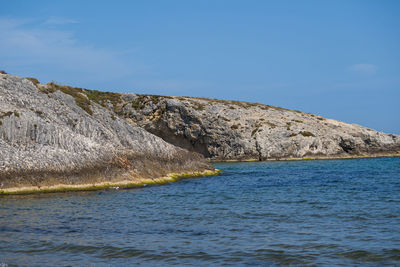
<point>54,134</point>
<point>233,130</point>
<point>52,137</point>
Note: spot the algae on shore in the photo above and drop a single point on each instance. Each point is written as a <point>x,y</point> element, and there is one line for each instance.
<point>173,177</point>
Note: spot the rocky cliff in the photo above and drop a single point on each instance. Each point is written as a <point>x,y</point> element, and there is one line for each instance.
<point>51,135</point>
<point>233,130</point>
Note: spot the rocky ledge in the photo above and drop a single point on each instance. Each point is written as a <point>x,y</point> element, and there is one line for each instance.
<point>50,136</point>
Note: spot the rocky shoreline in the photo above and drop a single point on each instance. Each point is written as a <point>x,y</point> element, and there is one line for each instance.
<point>115,185</point>
<point>49,138</point>
<point>231,130</point>
<point>312,158</point>
<point>55,136</point>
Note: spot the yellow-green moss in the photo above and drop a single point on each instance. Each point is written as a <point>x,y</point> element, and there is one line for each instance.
<point>173,177</point>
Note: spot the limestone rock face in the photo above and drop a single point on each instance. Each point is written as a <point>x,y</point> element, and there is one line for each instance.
<point>233,130</point>
<point>46,138</point>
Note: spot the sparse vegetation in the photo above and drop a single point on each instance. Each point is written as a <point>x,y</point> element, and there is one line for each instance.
<point>16,114</point>
<point>235,126</point>
<point>33,80</point>
<point>78,93</point>
<point>242,104</point>
<point>3,72</point>
<point>270,124</point>
<point>199,106</point>
<point>307,134</point>
<point>101,98</point>
<point>139,102</point>
<point>292,134</point>
<point>298,121</point>
<point>7,114</point>
<point>254,131</point>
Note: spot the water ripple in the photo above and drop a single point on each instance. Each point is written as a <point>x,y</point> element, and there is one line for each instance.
<point>306,213</point>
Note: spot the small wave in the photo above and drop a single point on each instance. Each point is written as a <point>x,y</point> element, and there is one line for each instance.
<point>371,256</point>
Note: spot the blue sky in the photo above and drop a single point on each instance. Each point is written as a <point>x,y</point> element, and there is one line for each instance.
<point>338,59</point>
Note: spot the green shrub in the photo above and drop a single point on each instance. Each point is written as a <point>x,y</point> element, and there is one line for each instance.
<point>200,106</point>
<point>101,98</point>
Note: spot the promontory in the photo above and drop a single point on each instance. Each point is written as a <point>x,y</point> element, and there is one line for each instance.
<point>57,136</point>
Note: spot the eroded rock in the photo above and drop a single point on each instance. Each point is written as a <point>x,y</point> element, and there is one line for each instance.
<point>48,137</point>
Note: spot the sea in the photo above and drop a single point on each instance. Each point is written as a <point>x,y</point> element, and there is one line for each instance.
<point>284,213</point>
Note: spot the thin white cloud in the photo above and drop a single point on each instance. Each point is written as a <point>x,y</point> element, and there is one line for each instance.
<point>26,43</point>
<point>60,21</point>
<point>363,68</point>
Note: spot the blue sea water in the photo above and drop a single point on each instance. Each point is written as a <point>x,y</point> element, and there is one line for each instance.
<point>306,213</point>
